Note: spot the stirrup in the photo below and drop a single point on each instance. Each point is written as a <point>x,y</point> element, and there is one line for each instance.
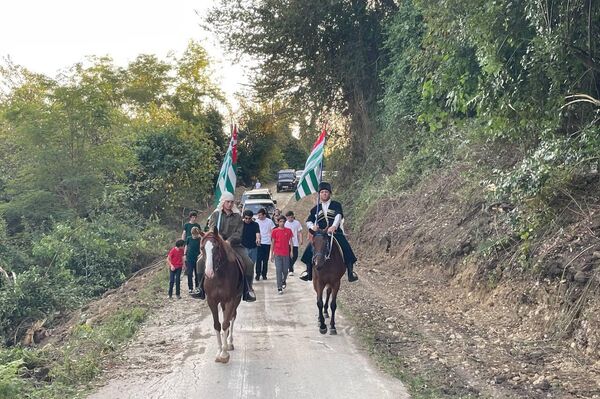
<point>352,277</point>
<point>200,294</point>
<point>305,276</point>
<point>249,296</point>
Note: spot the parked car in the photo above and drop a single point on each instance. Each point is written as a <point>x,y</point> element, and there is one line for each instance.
<point>286,180</point>
<point>256,204</point>
<point>259,193</point>
<point>299,175</point>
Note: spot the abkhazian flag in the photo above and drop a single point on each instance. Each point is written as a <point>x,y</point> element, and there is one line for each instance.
<point>309,181</point>
<point>227,177</point>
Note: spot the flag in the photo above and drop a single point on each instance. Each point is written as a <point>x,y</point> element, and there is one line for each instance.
<point>311,177</point>
<point>227,178</point>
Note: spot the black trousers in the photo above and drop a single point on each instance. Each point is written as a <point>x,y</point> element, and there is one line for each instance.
<point>262,260</point>
<point>192,274</point>
<point>293,259</point>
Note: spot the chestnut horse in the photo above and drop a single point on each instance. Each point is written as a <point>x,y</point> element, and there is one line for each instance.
<point>223,286</point>
<point>328,269</point>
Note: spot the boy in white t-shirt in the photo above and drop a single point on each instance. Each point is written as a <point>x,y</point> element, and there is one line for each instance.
<point>266,227</point>
<point>297,238</point>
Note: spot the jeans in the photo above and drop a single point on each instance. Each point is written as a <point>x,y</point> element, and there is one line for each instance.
<point>262,261</point>
<point>293,259</point>
<point>281,269</point>
<point>252,253</point>
<point>175,278</point>
<point>192,274</point>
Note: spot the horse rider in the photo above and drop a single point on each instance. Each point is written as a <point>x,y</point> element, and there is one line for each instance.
<point>230,226</point>
<point>329,217</point>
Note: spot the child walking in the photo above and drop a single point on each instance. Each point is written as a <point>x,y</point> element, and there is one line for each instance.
<point>281,247</point>
<point>192,251</point>
<point>175,262</point>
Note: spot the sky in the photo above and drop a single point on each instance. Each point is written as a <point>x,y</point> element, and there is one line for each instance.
<point>46,36</point>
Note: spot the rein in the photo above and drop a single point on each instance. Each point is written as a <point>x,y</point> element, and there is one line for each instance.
<point>328,255</point>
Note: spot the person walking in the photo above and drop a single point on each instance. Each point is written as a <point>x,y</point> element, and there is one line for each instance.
<point>257,185</point>
<point>175,262</point>
<point>281,248</point>
<point>250,235</point>
<point>297,239</point>
<point>192,251</point>
<point>266,226</point>
<point>327,215</point>
<point>192,222</point>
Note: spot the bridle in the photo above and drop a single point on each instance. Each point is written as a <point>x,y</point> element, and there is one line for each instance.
<point>216,250</point>
<point>328,247</point>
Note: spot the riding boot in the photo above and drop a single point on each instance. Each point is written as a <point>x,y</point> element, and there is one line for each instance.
<point>307,275</point>
<point>200,294</point>
<point>249,295</point>
<point>351,275</point>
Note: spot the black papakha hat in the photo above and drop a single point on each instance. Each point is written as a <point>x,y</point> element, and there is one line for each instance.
<point>324,186</point>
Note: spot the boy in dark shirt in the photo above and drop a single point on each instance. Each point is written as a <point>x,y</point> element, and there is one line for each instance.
<point>192,251</point>
<point>187,228</point>
<point>250,235</point>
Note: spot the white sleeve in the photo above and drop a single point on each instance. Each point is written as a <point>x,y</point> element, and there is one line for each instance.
<point>337,220</point>
<point>309,225</point>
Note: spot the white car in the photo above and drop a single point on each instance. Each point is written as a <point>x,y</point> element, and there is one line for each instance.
<point>257,204</point>
<point>259,193</point>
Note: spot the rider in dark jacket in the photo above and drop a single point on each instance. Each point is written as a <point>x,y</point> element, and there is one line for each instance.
<point>328,215</point>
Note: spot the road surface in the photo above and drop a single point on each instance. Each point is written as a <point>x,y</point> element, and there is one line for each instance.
<point>279,352</point>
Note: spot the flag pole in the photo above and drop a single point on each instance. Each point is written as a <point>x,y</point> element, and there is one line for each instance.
<point>320,180</point>
<point>232,127</point>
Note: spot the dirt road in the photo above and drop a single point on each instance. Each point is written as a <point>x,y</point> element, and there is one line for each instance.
<point>279,352</point>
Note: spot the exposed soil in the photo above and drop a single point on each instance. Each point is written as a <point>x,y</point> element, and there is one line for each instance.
<point>455,323</point>
<point>467,325</point>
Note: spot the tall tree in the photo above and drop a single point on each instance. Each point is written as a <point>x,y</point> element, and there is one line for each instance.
<point>324,55</point>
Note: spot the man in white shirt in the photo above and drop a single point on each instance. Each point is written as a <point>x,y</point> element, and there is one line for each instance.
<point>266,226</point>
<point>297,238</point>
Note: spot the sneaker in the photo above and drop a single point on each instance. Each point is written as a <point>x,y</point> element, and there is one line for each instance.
<point>279,291</point>
<point>170,296</point>
<point>257,278</point>
<point>291,273</point>
<point>264,277</point>
<point>178,296</point>
<point>283,286</point>
<point>190,291</point>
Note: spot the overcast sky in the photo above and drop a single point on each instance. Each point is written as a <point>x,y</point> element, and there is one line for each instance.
<point>48,35</point>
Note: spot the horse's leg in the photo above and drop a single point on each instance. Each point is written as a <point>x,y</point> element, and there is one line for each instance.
<point>326,305</point>
<point>319,288</point>
<point>230,315</point>
<point>334,289</point>
<point>214,308</point>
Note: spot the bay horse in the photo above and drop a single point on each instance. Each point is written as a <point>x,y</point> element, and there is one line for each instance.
<point>223,286</point>
<point>328,270</point>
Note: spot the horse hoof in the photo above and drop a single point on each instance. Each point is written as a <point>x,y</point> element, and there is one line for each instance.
<point>323,330</point>
<point>333,331</point>
<point>221,359</point>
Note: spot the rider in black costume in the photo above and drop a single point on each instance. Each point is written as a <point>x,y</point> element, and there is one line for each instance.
<point>329,217</point>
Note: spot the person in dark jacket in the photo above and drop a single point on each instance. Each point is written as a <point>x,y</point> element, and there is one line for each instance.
<point>228,221</point>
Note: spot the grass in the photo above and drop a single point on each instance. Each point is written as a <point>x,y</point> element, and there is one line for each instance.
<point>67,371</point>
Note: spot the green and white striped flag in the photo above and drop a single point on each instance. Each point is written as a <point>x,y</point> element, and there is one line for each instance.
<point>227,178</point>
<point>311,177</point>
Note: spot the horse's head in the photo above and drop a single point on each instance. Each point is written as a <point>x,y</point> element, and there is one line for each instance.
<point>211,247</point>
<point>321,248</point>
